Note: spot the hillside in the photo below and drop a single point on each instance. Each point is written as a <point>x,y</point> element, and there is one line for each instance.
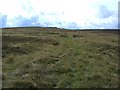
<point>53,58</point>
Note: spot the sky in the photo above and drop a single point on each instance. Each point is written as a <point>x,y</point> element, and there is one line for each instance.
<point>69,14</point>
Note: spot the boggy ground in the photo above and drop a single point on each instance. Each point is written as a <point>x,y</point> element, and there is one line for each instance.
<point>53,58</point>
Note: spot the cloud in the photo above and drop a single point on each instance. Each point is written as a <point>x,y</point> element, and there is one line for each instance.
<point>21,21</point>
<point>4,20</point>
<point>104,12</point>
<point>76,14</point>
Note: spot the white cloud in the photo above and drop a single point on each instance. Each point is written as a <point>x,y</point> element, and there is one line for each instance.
<point>62,13</point>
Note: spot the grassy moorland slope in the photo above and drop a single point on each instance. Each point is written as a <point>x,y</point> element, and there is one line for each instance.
<point>53,58</point>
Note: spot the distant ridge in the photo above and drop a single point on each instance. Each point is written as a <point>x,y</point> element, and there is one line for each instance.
<point>62,28</point>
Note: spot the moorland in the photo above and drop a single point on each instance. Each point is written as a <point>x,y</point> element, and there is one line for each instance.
<point>36,57</point>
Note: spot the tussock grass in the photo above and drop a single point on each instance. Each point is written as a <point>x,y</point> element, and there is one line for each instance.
<point>52,58</point>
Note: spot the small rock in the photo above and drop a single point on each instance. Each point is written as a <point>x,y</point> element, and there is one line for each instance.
<point>26,75</point>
